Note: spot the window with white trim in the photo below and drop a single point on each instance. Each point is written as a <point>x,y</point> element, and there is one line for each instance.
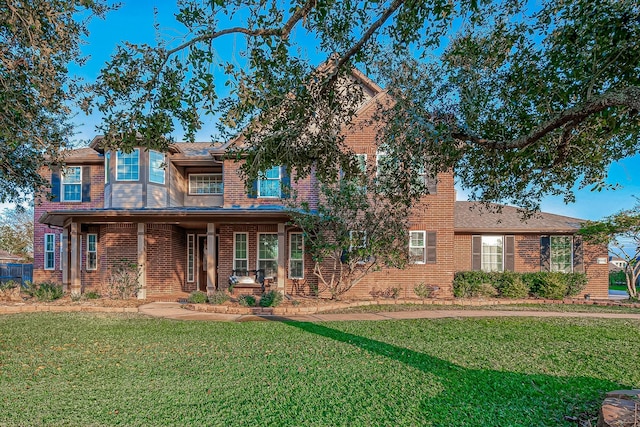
<point>72,184</point>
<point>128,165</point>
<point>417,247</point>
<point>357,239</point>
<point>92,252</point>
<point>107,161</point>
<point>296,256</point>
<point>49,251</point>
<point>240,251</point>
<point>561,254</point>
<point>191,258</point>
<point>205,183</point>
<point>492,253</point>
<point>156,167</point>
<point>269,182</point>
<point>268,253</point>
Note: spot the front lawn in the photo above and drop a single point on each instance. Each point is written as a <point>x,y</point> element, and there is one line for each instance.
<point>82,369</point>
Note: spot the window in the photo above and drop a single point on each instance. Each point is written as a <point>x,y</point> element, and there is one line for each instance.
<point>107,161</point>
<point>492,253</point>
<point>357,240</point>
<point>156,167</point>
<point>561,254</point>
<point>268,254</point>
<point>269,183</point>
<point>92,251</point>
<point>417,247</point>
<point>205,183</point>
<point>72,184</point>
<point>49,251</point>
<point>191,259</point>
<point>296,256</point>
<point>240,252</point>
<point>128,166</point>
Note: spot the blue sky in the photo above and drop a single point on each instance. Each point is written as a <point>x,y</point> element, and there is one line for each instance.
<point>134,22</point>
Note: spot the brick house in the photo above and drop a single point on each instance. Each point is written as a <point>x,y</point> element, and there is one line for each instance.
<point>187,220</point>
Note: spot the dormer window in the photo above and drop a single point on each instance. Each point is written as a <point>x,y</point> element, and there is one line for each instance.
<point>72,184</point>
<point>128,166</point>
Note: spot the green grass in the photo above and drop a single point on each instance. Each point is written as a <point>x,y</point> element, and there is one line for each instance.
<point>82,369</point>
<point>574,308</point>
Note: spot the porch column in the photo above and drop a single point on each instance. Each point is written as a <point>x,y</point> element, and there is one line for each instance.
<point>211,258</point>
<point>142,261</point>
<point>281,258</point>
<point>76,285</point>
<point>64,258</point>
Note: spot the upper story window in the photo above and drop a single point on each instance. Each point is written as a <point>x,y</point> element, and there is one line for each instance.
<point>561,254</point>
<point>269,183</point>
<point>72,184</point>
<point>205,183</point>
<point>156,167</point>
<point>128,166</point>
<point>107,161</point>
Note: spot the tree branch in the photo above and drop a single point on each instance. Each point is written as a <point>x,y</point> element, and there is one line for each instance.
<point>627,97</point>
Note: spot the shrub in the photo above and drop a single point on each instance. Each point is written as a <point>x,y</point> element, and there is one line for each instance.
<point>486,290</point>
<point>45,291</point>
<point>247,300</point>
<point>197,297</point>
<point>123,280</point>
<point>511,285</point>
<point>549,285</point>
<point>218,297</point>
<point>270,299</point>
<point>466,284</point>
<point>576,283</point>
<point>9,284</point>
<point>92,295</point>
<point>424,291</point>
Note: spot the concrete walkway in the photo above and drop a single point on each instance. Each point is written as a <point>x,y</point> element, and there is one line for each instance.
<point>173,310</point>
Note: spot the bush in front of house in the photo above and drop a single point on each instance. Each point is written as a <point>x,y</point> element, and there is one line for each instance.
<point>508,284</point>
<point>45,291</point>
<point>270,299</point>
<point>511,285</point>
<point>247,300</point>
<point>218,297</point>
<point>197,297</point>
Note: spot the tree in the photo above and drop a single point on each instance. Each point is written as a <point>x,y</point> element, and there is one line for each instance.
<point>353,232</point>
<point>621,232</point>
<point>522,100</point>
<point>38,39</point>
<point>16,232</point>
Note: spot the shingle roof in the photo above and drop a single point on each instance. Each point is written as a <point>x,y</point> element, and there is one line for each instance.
<point>81,153</point>
<point>475,217</point>
<point>196,149</point>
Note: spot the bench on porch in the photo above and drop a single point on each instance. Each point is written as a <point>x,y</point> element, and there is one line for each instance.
<point>249,279</point>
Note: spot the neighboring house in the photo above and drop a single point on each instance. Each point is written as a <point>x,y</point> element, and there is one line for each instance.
<point>7,258</point>
<point>187,220</point>
<point>617,264</point>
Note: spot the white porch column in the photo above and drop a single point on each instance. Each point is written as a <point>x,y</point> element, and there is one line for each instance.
<point>76,285</point>
<point>64,258</point>
<point>211,258</point>
<point>282,250</point>
<point>142,261</point>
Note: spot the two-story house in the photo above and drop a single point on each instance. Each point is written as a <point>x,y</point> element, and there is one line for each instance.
<point>186,219</point>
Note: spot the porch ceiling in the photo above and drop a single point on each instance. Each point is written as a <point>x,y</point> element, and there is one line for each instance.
<point>185,217</point>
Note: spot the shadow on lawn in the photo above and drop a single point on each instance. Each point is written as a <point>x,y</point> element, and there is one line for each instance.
<point>472,397</point>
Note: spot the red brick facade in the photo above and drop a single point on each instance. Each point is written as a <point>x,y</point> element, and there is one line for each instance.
<point>174,236</point>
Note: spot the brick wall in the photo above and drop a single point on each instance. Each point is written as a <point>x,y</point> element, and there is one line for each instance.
<point>43,205</point>
<point>166,259</point>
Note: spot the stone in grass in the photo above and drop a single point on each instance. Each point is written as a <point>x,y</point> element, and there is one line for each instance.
<point>621,408</point>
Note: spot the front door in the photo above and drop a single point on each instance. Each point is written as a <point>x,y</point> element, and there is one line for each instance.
<point>202,261</point>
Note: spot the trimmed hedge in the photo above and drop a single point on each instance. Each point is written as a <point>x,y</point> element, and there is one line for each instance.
<point>508,284</point>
